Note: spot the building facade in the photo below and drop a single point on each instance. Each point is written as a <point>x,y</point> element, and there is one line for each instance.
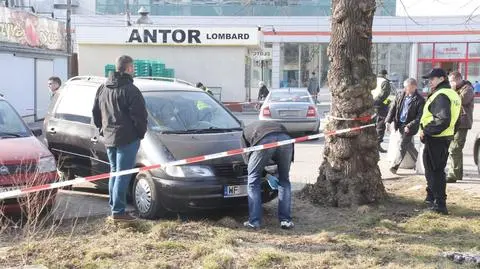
<point>32,49</point>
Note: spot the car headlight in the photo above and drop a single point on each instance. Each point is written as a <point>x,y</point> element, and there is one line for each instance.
<point>189,171</point>
<point>46,164</point>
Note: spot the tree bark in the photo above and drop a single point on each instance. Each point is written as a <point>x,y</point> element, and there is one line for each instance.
<point>349,174</point>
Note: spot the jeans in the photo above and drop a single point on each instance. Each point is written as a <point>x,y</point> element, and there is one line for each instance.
<point>406,145</point>
<point>256,164</point>
<point>435,155</point>
<point>455,169</point>
<point>121,158</point>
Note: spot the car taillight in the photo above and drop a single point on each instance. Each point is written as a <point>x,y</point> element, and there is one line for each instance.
<point>311,112</point>
<point>266,112</point>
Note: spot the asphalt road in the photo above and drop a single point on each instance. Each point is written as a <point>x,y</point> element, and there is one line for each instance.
<point>82,202</point>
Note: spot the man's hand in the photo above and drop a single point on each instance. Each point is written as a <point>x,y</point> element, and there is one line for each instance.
<point>422,135</point>
<point>407,130</point>
<point>387,126</point>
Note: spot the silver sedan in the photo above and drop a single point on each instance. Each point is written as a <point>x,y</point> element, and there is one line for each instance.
<point>294,108</point>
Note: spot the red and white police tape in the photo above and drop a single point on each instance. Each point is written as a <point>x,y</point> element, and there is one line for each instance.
<point>363,118</point>
<point>23,191</point>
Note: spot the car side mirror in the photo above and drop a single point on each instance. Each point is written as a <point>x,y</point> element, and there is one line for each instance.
<point>37,132</point>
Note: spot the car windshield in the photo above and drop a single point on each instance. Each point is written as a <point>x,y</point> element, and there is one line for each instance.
<point>187,111</point>
<point>290,96</point>
<point>11,125</point>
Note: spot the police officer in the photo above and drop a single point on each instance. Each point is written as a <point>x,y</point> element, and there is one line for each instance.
<point>437,125</point>
<point>380,103</point>
<point>203,87</point>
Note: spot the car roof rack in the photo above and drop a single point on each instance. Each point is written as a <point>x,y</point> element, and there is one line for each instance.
<point>175,80</point>
<point>88,78</point>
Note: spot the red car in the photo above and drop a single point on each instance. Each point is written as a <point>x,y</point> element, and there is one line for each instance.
<point>24,162</point>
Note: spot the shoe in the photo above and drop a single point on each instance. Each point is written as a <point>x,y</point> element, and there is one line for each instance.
<point>439,209</point>
<point>249,225</point>
<point>451,180</point>
<point>286,224</point>
<point>382,150</point>
<point>429,203</point>
<point>123,218</point>
<point>393,170</point>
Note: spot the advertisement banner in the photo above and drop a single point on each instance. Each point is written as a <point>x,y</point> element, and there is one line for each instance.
<point>26,29</point>
<point>184,36</point>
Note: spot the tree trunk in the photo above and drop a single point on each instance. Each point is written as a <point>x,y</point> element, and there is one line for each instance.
<point>349,174</point>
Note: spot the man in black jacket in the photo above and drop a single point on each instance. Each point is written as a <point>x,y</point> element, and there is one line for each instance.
<point>120,114</point>
<point>440,115</point>
<point>406,113</point>
<point>259,133</point>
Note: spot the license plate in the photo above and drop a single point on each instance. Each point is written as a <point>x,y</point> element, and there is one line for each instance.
<point>288,113</point>
<point>5,189</point>
<point>235,191</point>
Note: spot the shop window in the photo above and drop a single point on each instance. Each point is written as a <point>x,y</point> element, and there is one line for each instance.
<point>290,65</point>
<point>425,50</point>
<point>474,50</point>
<point>423,68</point>
<point>474,71</point>
<point>450,50</point>
<point>395,58</point>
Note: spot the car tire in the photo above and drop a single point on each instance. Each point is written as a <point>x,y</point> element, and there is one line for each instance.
<point>146,197</point>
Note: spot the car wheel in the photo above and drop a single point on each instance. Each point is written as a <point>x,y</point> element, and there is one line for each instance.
<point>146,197</point>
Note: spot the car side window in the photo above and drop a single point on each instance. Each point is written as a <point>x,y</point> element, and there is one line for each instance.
<point>76,104</point>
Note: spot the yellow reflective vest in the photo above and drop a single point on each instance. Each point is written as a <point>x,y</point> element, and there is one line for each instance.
<point>378,90</point>
<point>455,108</point>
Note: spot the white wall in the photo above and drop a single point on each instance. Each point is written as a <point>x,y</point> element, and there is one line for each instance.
<point>44,70</point>
<point>18,83</point>
<point>214,66</point>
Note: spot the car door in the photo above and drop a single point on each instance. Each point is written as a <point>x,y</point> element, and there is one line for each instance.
<point>69,129</point>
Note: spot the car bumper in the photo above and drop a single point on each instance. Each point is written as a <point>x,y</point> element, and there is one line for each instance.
<point>180,196</point>
<point>33,201</point>
<point>293,126</point>
<point>17,206</point>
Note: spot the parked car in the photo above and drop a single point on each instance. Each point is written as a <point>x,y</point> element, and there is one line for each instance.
<point>24,162</point>
<point>476,152</point>
<point>183,122</point>
<point>294,108</point>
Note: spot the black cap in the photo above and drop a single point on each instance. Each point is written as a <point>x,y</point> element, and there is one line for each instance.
<point>383,72</point>
<point>435,73</point>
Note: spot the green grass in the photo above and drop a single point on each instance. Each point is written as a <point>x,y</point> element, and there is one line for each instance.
<point>396,234</point>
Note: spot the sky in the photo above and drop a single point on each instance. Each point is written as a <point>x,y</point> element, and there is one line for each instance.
<point>438,7</point>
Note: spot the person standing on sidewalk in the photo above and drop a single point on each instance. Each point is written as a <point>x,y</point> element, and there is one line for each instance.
<point>120,114</point>
<point>259,133</point>
<point>380,103</point>
<point>406,113</point>
<point>440,115</point>
<point>54,84</point>
<point>313,87</point>
<point>465,91</point>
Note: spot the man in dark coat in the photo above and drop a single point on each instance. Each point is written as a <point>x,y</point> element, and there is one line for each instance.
<point>406,113</point>
<point>120,114</point>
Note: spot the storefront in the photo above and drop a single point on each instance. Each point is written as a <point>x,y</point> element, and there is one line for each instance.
<point>463,57</point>
<point>32,49</point>
<point>286,52</point>
<point>218,57</point>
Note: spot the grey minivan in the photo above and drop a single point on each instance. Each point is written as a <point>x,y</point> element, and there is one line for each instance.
<point>183,122</point>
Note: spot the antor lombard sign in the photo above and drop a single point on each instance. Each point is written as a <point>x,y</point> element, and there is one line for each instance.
<point>158,35</point>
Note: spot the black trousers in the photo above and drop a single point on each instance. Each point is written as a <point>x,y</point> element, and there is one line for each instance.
<point>381,112</point>
<point>435,155</point>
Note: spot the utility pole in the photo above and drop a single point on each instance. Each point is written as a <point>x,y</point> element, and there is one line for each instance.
<point>127,12</point>
<point>69,38</point>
